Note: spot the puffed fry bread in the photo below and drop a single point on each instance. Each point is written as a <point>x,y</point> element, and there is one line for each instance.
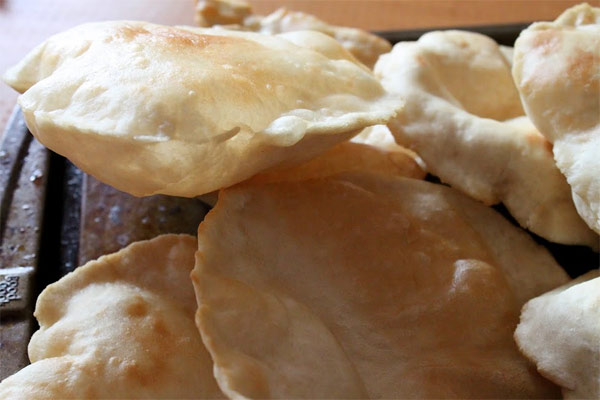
<point>154,109</point>
<point>557,71</point>
<point>120,327</point>
<point>463,117</point>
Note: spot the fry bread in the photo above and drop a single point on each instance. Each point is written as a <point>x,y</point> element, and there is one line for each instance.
<point>560,332</point>
<point>120,327</point>
<point>557,71</point>
<point>235,14</point>
<point>153,109</point>
<point>373,150</point>
<point>463,117</point>
<point>365,286</point>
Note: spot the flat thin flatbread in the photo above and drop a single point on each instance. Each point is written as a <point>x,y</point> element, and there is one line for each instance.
<point>364,286</point>
<point>120,327</point>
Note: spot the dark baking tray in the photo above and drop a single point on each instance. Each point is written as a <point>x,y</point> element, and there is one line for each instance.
<point>53,218</point>
<point>502,34</point>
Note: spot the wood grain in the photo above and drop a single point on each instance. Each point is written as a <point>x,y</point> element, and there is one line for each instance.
<point>25,23</point>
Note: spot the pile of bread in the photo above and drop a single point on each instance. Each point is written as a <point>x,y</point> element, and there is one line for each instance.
<point>328,267</point>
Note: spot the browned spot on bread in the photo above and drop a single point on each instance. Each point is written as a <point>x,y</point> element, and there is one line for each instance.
<point>547,41</point>
<point>185,38</point>
<point>586,18</point>
<point>137,308</point>
<point>535,139</point>
<point>158,325</point>
<point>582,66</point>
<point>172,36</point>
<point>129,32</point>
<point>147,372</point>
<point>136,372</point>
<point>463,44</point>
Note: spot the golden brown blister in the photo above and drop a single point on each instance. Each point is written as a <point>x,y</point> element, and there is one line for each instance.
<point>365,286</point>
<point>120,327</point>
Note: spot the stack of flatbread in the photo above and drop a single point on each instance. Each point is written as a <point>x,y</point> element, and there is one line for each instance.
<point>328,267</point>
<point>464,117</point>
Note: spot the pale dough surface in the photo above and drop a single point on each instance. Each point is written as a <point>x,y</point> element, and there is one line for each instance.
<point>463,117</point>
<point>365,286</point>
<point>120,327</point>
<point>236,14</point>
<point>185,111</point>
<point>557,71</point>
<point>560,332</point>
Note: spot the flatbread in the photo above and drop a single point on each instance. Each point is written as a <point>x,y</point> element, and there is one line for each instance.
<point>120,327</point>
<point>221,12</point>
<point>153,109</point>
<point>560,332</point>
<point>557,71</point>
<point>463,117</point>
<point>235,14</point>
<point>373,150</point>
<point>321,43</point>
<point>365,286</point>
